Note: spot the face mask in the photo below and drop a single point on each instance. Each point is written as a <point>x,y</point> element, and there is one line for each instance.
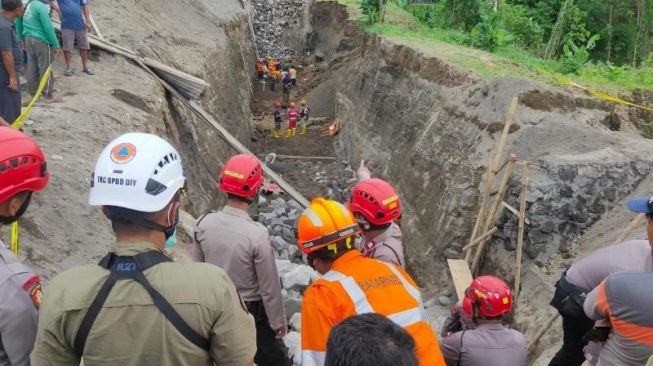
<point>6,220</point>
<point>171,240</point>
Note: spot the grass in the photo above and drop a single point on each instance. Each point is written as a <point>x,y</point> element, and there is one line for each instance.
<point>450,45</point>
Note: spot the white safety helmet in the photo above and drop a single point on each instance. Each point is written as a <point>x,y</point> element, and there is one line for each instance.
<point>137,171</point>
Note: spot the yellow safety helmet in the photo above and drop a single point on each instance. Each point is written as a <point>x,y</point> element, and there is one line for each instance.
<point>324,222</point>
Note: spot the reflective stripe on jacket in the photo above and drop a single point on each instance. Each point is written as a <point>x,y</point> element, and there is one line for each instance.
<point>625,299</point>
<point>359,285</point>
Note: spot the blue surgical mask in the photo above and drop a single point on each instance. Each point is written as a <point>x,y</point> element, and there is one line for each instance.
<point>172,240</point>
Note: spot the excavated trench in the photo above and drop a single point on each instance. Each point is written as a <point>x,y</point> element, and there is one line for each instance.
<point>424,125</point>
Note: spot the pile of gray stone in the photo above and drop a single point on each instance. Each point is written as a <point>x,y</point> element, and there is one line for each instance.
<point>279,214</point>
<point>271,19</point>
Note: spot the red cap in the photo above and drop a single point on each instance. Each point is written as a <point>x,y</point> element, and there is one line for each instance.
<point>376,200</point>
<point>22,164</point>
<point>242,176</point>
<point>491,294</point>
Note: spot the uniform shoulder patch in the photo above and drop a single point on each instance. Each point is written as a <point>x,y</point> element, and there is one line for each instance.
<point>33,287</point>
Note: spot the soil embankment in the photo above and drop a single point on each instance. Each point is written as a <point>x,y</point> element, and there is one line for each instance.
<point>209,39</point>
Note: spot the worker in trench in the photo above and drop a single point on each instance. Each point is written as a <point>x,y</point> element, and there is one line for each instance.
<point>486,341</point>
<point>23,170</point>
<point>293,115</point>
<point>376,206</point>
<point>304,115</point>
<point>261,68</point>
<point>286,86</point>
<point>111,313</point>
<point>352,284</point>
<point>277,120</point>
<point>231,240</point>
<point>584,276</point>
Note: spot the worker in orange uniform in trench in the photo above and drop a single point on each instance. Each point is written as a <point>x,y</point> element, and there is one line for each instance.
<point>353,284</point>
<point>293,115</point>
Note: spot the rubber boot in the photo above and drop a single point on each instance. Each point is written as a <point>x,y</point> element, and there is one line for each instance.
<point>288,133</point>
<point>303,131</point>
<point>277,134</point>
<point>293,131</point>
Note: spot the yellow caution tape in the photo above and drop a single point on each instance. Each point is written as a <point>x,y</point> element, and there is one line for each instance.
<point>18,123</point>
<point>14,238</point>
<point>601,95</point>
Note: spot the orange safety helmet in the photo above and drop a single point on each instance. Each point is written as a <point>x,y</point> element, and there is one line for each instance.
<point>292,104</point>
<point>303,102</point>
<point>491,295</point>
<point>324,222</point>
<point>376,200</point>
<point>242,175</point>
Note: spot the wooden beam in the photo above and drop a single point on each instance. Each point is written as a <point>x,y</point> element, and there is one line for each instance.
<point>95,27</point>
<point>638,220</point>
<point>545,326</point>
<point>481,209</point>
<point>520,233</point>
<point>493,168</point>
<point>514,211</point>
<point>480,238</point>
<point>461,276</point>
<point>190,86</point>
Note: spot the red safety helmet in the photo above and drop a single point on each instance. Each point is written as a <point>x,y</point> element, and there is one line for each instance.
<point>376,200</point>
<point>278,105</point>
<point>491,295</point>
<point>242,176</point>
<point>22,164</point>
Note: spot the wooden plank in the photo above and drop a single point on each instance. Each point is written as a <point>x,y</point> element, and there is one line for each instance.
<point>520,233</point>
<point>461,276</point>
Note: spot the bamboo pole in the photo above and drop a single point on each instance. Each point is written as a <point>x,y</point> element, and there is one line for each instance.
<point>515,212</point>
<point>520,235</point>
<point>493,168</point>
<point>480,238</point>
<point>638,220</point>
<point>95,27</point>
<point>481,209</point>
<point>546,326</point>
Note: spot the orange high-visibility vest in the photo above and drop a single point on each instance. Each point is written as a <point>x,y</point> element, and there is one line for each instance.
<point>359,285</point>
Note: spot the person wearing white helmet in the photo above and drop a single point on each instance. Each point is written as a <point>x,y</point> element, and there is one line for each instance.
<point>137,307</point>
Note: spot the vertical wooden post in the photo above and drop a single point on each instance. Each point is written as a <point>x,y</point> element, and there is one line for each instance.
<point>494,208</point>
<point>493,170</point>
<point>481,210</point>
<point>520,234</point>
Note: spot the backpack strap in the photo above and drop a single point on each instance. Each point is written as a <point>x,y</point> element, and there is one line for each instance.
<point>131,268</point>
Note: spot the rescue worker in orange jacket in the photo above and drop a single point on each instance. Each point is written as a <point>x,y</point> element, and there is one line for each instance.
<point>376,206</point>
<point>261,69</point>
<point>353,284</point>
<point>231,240</point>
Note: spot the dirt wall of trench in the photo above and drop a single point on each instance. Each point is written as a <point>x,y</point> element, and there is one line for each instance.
<point>429,128</point>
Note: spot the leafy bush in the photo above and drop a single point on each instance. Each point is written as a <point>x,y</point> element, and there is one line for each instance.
<point>371,9</point>
<point>425,14</point>
<point>525,30</point>
<point>489,33</point>
<point>575,57</point>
